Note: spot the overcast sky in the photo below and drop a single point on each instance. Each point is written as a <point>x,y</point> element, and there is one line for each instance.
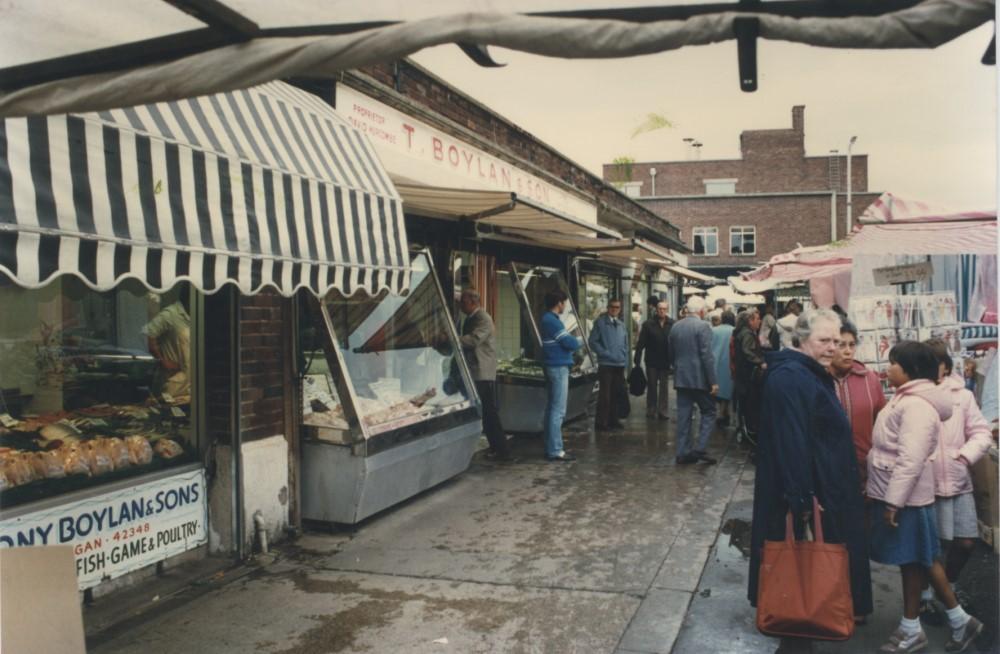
<point>927,119</point>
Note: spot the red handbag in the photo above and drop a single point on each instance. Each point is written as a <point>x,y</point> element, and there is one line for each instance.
<point>804,588</point>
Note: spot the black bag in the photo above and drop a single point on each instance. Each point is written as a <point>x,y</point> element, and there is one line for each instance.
<point>637,381</point>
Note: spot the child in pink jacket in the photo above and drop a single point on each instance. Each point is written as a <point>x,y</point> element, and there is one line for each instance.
<point>965,438</point>
<point>901,485</point>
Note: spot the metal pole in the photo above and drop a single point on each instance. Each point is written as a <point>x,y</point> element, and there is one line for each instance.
<point>849,209</point>
<point>652,180</point>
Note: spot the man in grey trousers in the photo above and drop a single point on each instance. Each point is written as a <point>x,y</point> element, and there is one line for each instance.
<point>694,379</point>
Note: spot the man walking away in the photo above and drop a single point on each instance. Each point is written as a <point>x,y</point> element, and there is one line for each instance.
<point>694,379</point>
<point>786,326</point>
<point>654,341</point>
<point>558,346</point>
<point>609,340</point>
<point>479,348</point>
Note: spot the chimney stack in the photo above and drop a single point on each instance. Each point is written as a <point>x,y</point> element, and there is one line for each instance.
<point>799,118</point>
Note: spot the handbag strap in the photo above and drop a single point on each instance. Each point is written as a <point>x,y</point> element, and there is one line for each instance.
<point>817,524</point>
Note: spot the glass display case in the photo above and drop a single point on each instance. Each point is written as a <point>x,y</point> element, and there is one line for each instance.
<point>383,379</point>
<point>519,367</point>
<point>95,387</point>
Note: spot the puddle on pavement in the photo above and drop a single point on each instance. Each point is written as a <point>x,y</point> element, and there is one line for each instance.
<point>739,536</point>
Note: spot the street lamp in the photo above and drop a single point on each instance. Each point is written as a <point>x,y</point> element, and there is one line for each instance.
<point>688,141</point>
<point>850,144</point>
<point>652,181</point>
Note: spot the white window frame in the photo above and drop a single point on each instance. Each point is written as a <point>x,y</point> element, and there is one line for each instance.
<point>729,190</point>
<point>703,232</point>
<point>743,230</point>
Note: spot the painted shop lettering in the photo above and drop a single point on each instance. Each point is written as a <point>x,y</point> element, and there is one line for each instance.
<point>71,527</point>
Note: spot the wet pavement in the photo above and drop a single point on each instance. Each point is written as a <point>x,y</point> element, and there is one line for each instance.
<point>720,620</point>
<point>599,555</point>
<point>620,552</point>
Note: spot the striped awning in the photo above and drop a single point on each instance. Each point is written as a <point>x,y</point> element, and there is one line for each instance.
<point>264,187</point>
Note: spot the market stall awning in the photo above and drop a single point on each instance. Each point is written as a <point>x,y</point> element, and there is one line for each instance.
<point>74,59</point>
<point>691,274</point>
<point>621,249</point>
<point>262,187</point>
<point>963,236</point>
<point>504,209</point>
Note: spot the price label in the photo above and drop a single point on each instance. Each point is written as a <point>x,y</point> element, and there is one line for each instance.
<point>177,411</point>
<point>7,421</point>
<point>168,398</point>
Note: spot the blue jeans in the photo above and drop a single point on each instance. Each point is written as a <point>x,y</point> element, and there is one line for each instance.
<point>686,399</point>
<point>557,380</point>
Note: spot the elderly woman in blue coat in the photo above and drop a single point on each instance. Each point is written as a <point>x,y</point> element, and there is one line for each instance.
<point>806,451</point>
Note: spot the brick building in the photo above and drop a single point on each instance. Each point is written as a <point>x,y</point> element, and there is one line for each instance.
<point>736,213</point>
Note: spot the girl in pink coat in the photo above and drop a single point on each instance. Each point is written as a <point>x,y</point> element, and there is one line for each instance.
<point>965,438</point>
<point>901,485</point>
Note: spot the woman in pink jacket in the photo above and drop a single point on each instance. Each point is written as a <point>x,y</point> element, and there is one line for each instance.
<point>901,483</point>
<point>965,438</point>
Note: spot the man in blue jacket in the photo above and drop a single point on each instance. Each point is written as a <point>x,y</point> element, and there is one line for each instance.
<point>609,341</point>
<point>558,346</point>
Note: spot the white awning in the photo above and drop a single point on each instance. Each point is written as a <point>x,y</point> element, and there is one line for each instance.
<point>503,209</point>
<point>691,274</point>
<point>262,187</point>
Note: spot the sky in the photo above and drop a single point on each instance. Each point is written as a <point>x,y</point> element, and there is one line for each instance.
<point>927,119</point>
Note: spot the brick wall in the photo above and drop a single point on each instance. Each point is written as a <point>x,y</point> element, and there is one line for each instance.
<point>263,336</point>
<point>782,222</point>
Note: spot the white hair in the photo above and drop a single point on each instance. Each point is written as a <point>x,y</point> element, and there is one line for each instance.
<point>695,304</point>
<point>807,320</point>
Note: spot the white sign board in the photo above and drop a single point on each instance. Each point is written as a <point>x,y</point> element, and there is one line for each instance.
<point>911,272</point>
<point>416,152</point>
<point>120,531</point>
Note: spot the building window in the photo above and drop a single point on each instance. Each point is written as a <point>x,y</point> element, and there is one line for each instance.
<point>743,240</point>
<point>631,189</point>
<point>720,186</point>
<point>706,241</point>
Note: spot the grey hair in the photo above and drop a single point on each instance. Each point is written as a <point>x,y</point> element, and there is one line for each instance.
<point>807,321</point>
<point>695,304</point>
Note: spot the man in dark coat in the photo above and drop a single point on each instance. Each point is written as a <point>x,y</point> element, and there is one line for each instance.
<point>806,451</point>
<point>654,341</point>
<point>749,367</point>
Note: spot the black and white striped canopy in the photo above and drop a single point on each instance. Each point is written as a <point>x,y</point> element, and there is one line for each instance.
<point>260,187</point>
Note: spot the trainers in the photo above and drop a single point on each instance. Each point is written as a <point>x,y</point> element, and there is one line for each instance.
<point>562,456</point>
<point>686,459</point>
<point>932,614</point>
<point>969,633</point>
<point>895,644</point>
<point>701,456</point>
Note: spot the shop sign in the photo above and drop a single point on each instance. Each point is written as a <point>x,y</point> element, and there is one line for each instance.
<point>415,151</point>
<point>120,531</point>
<point>911,272</point>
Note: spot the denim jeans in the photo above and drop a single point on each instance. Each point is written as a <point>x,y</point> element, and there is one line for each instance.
<point>687,398</point>
<point>557,380</point>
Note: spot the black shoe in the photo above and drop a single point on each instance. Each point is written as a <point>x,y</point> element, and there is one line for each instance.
<point>663,416</point>
<point>704,458</point>
<point>499,457</point>
<point>565,456</point>
<point>686,459</point>
<point>616,425</point>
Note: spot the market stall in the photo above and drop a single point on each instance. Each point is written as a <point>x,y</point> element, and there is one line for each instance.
<point>520,378</point>
<point>117,230</point>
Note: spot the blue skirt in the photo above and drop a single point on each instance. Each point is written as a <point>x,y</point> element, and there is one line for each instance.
<point>915,540</point>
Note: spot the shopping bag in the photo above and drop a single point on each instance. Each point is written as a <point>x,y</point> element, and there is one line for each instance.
<point>637,381</point>
<point>804,589</point>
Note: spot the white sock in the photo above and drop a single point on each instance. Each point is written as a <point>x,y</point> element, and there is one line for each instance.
<point>957,617</point>
<point>909,627</point>
<point>926,594</point>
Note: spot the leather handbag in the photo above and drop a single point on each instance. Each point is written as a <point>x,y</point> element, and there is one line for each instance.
<point>804,588</point>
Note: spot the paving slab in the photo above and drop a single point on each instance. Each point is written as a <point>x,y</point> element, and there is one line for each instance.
<point>657,622</point>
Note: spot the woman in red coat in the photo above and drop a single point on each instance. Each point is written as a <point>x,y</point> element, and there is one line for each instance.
<point>860,393</point>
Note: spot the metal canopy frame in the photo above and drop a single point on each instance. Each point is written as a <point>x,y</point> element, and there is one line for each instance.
<point>225,26</point>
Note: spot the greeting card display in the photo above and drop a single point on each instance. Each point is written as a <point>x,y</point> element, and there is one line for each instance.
<point>885,340</point>
<point>867,350</point>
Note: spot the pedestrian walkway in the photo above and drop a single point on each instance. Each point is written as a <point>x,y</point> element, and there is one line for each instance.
<point>721,621</point>
<point>600,555</point>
